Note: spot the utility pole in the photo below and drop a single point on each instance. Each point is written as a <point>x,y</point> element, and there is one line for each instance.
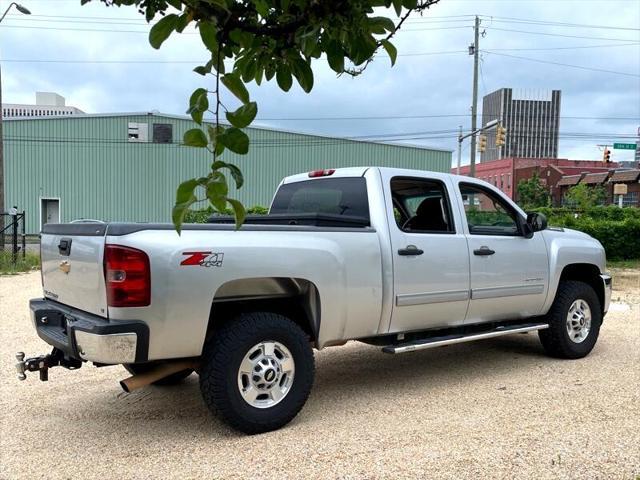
<point>459,151</point>
<point>474,105</point>
<point>24,11</point>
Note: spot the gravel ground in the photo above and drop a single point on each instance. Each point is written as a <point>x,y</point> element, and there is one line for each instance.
<point>493,409</point>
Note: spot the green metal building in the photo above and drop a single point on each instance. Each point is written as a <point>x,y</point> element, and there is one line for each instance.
<point>126,167</point>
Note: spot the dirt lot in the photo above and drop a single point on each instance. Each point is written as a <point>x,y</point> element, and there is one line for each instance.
<point>494,409</point>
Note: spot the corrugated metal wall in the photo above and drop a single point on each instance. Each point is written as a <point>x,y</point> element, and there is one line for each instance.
<point>89,164</point>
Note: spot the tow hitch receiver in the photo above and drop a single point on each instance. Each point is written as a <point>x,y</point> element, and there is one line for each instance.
<point>43,363</point>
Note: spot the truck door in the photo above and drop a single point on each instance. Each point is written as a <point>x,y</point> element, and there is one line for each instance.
<point>509,273</point>
<point>429,251</point>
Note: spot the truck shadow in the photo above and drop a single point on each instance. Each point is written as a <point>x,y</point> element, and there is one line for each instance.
<point>343,376</point>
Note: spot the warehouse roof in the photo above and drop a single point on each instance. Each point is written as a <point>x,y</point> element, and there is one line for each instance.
<point>156,113</point>
<point>621,176</point>
<point>595,178</point>
<point>569,180</point>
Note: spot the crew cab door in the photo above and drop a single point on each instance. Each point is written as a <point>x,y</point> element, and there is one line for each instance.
<point>509,273</point>
<point>429,252</point>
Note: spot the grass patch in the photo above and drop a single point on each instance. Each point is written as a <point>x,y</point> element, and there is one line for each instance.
<point>31,261</point>
<point>634,264</point>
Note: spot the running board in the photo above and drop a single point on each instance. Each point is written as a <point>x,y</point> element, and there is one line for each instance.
<point>453,339</point>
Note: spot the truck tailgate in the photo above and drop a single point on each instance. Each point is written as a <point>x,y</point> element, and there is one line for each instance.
<point>72,270</point>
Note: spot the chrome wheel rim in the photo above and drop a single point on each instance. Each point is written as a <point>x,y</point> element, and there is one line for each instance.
<point>266,374</point>
<point>579,321</point>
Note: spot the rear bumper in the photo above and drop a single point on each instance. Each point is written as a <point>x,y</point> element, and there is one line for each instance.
<point>88,337</point>
<point>608,286</point>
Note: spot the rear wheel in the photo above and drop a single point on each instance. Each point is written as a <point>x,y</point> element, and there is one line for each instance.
<point>173,379</point>
<point>257,372</point>
<point>574,321</point>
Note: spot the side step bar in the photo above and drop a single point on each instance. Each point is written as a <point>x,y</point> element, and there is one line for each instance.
<point>453,339</point>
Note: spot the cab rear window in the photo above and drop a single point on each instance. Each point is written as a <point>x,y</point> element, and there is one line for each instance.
<point>337,196</point>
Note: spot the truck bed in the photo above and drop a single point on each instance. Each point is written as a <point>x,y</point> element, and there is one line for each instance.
<point>310,219</point>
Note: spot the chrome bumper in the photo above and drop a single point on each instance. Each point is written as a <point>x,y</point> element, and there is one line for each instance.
<point>111,348</point>
<point>86,337</point>
<point>608,286</point>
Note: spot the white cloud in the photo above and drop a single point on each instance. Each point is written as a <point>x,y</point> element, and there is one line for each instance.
<point>417,85</point>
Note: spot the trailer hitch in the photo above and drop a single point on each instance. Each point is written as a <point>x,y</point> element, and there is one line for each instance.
<point>43,363</point>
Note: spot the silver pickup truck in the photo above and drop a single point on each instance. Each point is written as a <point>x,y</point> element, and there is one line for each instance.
<point>402,259</point>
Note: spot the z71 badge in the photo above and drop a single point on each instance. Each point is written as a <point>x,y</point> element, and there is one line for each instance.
<point>202,259</point>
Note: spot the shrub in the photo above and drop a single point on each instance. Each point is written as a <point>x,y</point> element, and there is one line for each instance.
<point>620,239</point>
<point>31,261</point>
<point>202,216</point>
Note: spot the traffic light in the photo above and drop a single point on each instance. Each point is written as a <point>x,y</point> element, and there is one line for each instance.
<point>501,134</point>
<point>606,156</point>
<point>482,143</point>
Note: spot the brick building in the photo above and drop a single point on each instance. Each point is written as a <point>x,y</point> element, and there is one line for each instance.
<point>631,178</point>
<point>507,172</point>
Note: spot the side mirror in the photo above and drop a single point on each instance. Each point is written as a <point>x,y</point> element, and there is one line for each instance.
<point>535,223</point>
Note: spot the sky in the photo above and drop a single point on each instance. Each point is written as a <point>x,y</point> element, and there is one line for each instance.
<point>99,58</point>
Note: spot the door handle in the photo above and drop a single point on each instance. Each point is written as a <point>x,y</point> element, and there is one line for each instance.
<point>483,251</point>
<point>410,250</point>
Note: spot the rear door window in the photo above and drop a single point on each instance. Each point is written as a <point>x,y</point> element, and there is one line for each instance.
<point>337,196</point>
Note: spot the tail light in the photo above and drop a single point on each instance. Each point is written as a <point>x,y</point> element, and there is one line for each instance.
<point>321,173</point>
<point>128,276</point>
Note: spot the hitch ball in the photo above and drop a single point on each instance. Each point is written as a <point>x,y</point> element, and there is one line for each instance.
<point>20,366</point>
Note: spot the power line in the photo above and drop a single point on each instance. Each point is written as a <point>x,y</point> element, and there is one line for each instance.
<point>563,64</point>
<point>415,54</point>
<point>560,35</point>
<point>183,33</point>
<point>554,23</point>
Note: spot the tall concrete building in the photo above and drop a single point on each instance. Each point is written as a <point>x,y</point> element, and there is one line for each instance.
<point>48,104</point>
<point>532,120</point>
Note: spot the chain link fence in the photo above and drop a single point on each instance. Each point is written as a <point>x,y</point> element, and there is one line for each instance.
<point>12,233</point>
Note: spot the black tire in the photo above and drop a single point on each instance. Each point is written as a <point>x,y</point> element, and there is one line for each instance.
<point>220,365</point>
<point>555,339</point>
<point>173,379</point>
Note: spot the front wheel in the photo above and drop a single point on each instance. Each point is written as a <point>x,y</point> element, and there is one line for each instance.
<point>574,321</point>
<point>257,372</point>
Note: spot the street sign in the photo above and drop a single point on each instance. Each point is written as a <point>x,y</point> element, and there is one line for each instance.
<point>624,146</point>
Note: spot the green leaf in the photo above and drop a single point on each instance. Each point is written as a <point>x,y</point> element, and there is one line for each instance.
<point>208,33</point>
<point>217,188</point>
<point>249,70</point>
<point>262,7</point>
<point>233,82</point>
<point>214,135</point>
<point>195,138</point>
<point>183,20</point>
<point>235,171</point>
<point>303,73</point>
<point>391,51</point>
<point>185,190</point>
<point>397,4</point>
<point>269,71</point>
<point>335,56</point>
<point>244,115</point>
<point>202,70</point>
<point>161,30</point>
<point>283,77</point>
<point>177,4</point>
<point>238,211</point>
<point>362,48</point>
<point>184,199</point>
<point>235,140</point>
<point>382,22</point>
<point>409,3</point>
<point>198,104</point>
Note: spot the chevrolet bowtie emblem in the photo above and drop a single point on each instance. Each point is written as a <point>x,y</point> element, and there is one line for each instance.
<point>65,266</point>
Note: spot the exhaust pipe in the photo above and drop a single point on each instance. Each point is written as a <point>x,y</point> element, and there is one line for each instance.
<point>161,371</point>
